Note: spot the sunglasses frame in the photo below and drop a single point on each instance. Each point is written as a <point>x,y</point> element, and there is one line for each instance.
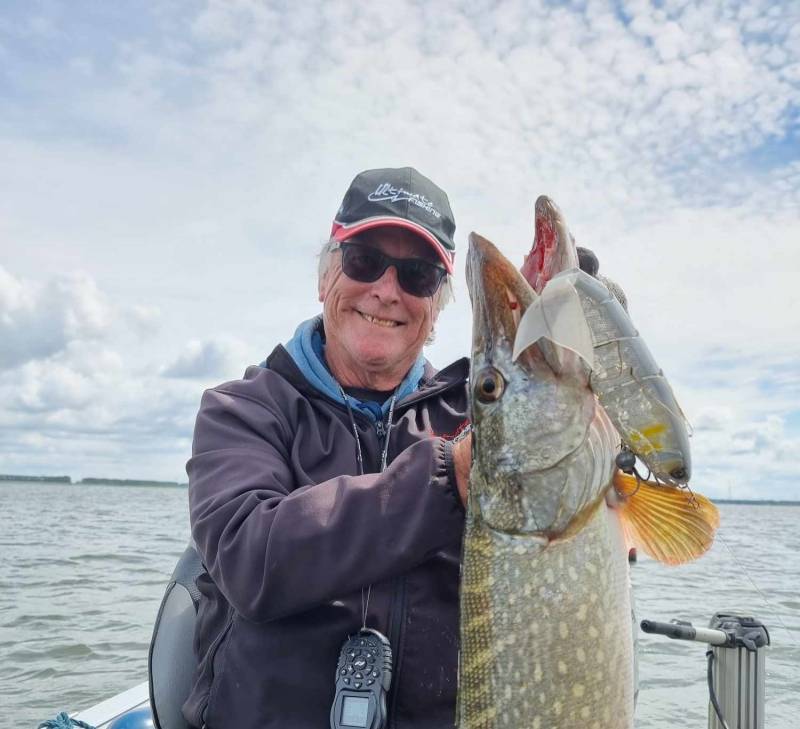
<point>401,265</point>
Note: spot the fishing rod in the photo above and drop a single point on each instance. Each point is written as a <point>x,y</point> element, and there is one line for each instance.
<point>737,650</point>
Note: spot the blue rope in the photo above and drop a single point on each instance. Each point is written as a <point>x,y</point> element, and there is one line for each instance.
<point>63,721</point>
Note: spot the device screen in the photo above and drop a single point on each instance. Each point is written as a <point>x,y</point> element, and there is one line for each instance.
<point>354,711</point>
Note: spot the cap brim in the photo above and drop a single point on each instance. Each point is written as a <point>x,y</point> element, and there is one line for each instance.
<point>340,232</point>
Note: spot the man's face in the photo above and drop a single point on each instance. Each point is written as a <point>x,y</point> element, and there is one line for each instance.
<point>375,331</point>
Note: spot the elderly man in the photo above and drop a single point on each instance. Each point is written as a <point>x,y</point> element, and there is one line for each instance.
<point>327,490</point>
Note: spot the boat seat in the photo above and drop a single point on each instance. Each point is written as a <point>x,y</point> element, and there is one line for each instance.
<point>171,660</point>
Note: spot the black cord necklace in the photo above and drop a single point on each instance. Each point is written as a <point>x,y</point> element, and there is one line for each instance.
<point>364,668</point>
<point>386,430</point>
<point>360,459</point>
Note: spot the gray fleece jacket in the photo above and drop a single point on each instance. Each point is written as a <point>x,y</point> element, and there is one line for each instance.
<point>290,534</point>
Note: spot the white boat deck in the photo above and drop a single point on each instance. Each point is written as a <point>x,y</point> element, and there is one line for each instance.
<point>105,712</point>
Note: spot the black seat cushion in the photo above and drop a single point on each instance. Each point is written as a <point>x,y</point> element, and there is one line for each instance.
<point>171,661</point>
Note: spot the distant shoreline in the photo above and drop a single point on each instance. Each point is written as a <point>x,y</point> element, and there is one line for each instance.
<point>90,481</point>
<point>176,484</point>
<point>45,479</point>
<point>757,502</point>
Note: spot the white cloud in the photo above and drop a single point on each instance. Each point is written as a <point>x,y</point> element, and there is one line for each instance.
<point>711,419</point>
<point>88,415</point>
<point>207,359</point>
<point>41,320</point>
<point>146,319</point>
<point>52,386</point>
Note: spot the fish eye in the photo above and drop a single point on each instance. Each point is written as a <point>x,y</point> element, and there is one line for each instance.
<point>489,385</point>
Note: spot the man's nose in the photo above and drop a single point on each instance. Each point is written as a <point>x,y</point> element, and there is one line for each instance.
<point>387,286</point>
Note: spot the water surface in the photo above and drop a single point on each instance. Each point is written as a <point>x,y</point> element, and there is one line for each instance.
<point>84,568</point>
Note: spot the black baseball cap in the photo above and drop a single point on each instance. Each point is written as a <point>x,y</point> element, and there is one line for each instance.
<point>399,197</point>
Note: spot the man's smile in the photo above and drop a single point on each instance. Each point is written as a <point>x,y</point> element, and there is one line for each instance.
<point>377,320</point>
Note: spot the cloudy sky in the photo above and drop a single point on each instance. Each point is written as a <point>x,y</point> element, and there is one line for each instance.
<point>168,171</point>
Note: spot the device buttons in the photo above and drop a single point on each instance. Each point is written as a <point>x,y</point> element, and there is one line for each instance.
<point>363,677</point>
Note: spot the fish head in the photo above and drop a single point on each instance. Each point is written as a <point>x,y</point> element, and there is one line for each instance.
<point>529,413</point>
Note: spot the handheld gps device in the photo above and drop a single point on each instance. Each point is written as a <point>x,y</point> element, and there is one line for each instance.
<point>363,676</point>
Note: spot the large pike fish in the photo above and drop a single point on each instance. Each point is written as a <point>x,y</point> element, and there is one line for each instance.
<point>545,616</point>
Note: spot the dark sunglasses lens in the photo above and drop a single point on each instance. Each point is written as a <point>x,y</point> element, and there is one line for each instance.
<point>419,278</point>
<point>415,276</point>
<point>362,263</point>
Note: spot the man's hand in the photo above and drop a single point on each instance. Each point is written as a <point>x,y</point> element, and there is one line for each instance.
<point>462,460</point>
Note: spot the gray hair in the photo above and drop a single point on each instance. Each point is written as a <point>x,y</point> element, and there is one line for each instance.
<point>443,297</point>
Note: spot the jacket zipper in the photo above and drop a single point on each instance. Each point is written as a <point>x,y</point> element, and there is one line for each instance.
<point>213,651</point>
<point>396,620</point>
<point>397,609</point>
<point>397,606</point>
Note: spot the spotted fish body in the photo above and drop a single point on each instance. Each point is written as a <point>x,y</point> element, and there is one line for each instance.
<point>545,613</point>
<point>554,651</point>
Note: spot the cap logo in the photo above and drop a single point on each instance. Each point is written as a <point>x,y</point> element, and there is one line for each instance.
<point>386,191</point>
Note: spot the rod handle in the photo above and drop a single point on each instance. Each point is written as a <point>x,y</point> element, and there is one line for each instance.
<point>679,630</point>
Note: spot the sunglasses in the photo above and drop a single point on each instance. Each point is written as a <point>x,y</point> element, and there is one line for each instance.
<point>366,264</point>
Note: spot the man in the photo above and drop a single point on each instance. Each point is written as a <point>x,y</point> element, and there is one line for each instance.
<point>326,490</point>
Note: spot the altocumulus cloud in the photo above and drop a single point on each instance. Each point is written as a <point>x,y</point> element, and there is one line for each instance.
<point>666,131</point>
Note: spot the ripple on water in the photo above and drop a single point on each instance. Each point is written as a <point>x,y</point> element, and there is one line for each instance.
<point>47,652</point>
<point>115,557</point>
<point>36,622</point>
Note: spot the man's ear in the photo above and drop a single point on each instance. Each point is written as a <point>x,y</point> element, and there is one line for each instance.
<point>328,279</point>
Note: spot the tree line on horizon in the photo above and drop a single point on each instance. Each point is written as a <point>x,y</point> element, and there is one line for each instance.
<point>89,480</point>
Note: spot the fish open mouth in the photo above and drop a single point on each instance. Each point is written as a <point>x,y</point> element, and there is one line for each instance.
<point>498,292</point>
<point>500,297</point>
<point>553,246</point>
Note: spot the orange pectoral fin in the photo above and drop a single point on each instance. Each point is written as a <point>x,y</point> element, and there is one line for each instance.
<point>666,522</point>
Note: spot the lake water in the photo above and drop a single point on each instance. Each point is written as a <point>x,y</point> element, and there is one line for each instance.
<point>83,568</point>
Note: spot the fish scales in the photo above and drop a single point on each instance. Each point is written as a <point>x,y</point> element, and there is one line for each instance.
<point>546,633</point>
